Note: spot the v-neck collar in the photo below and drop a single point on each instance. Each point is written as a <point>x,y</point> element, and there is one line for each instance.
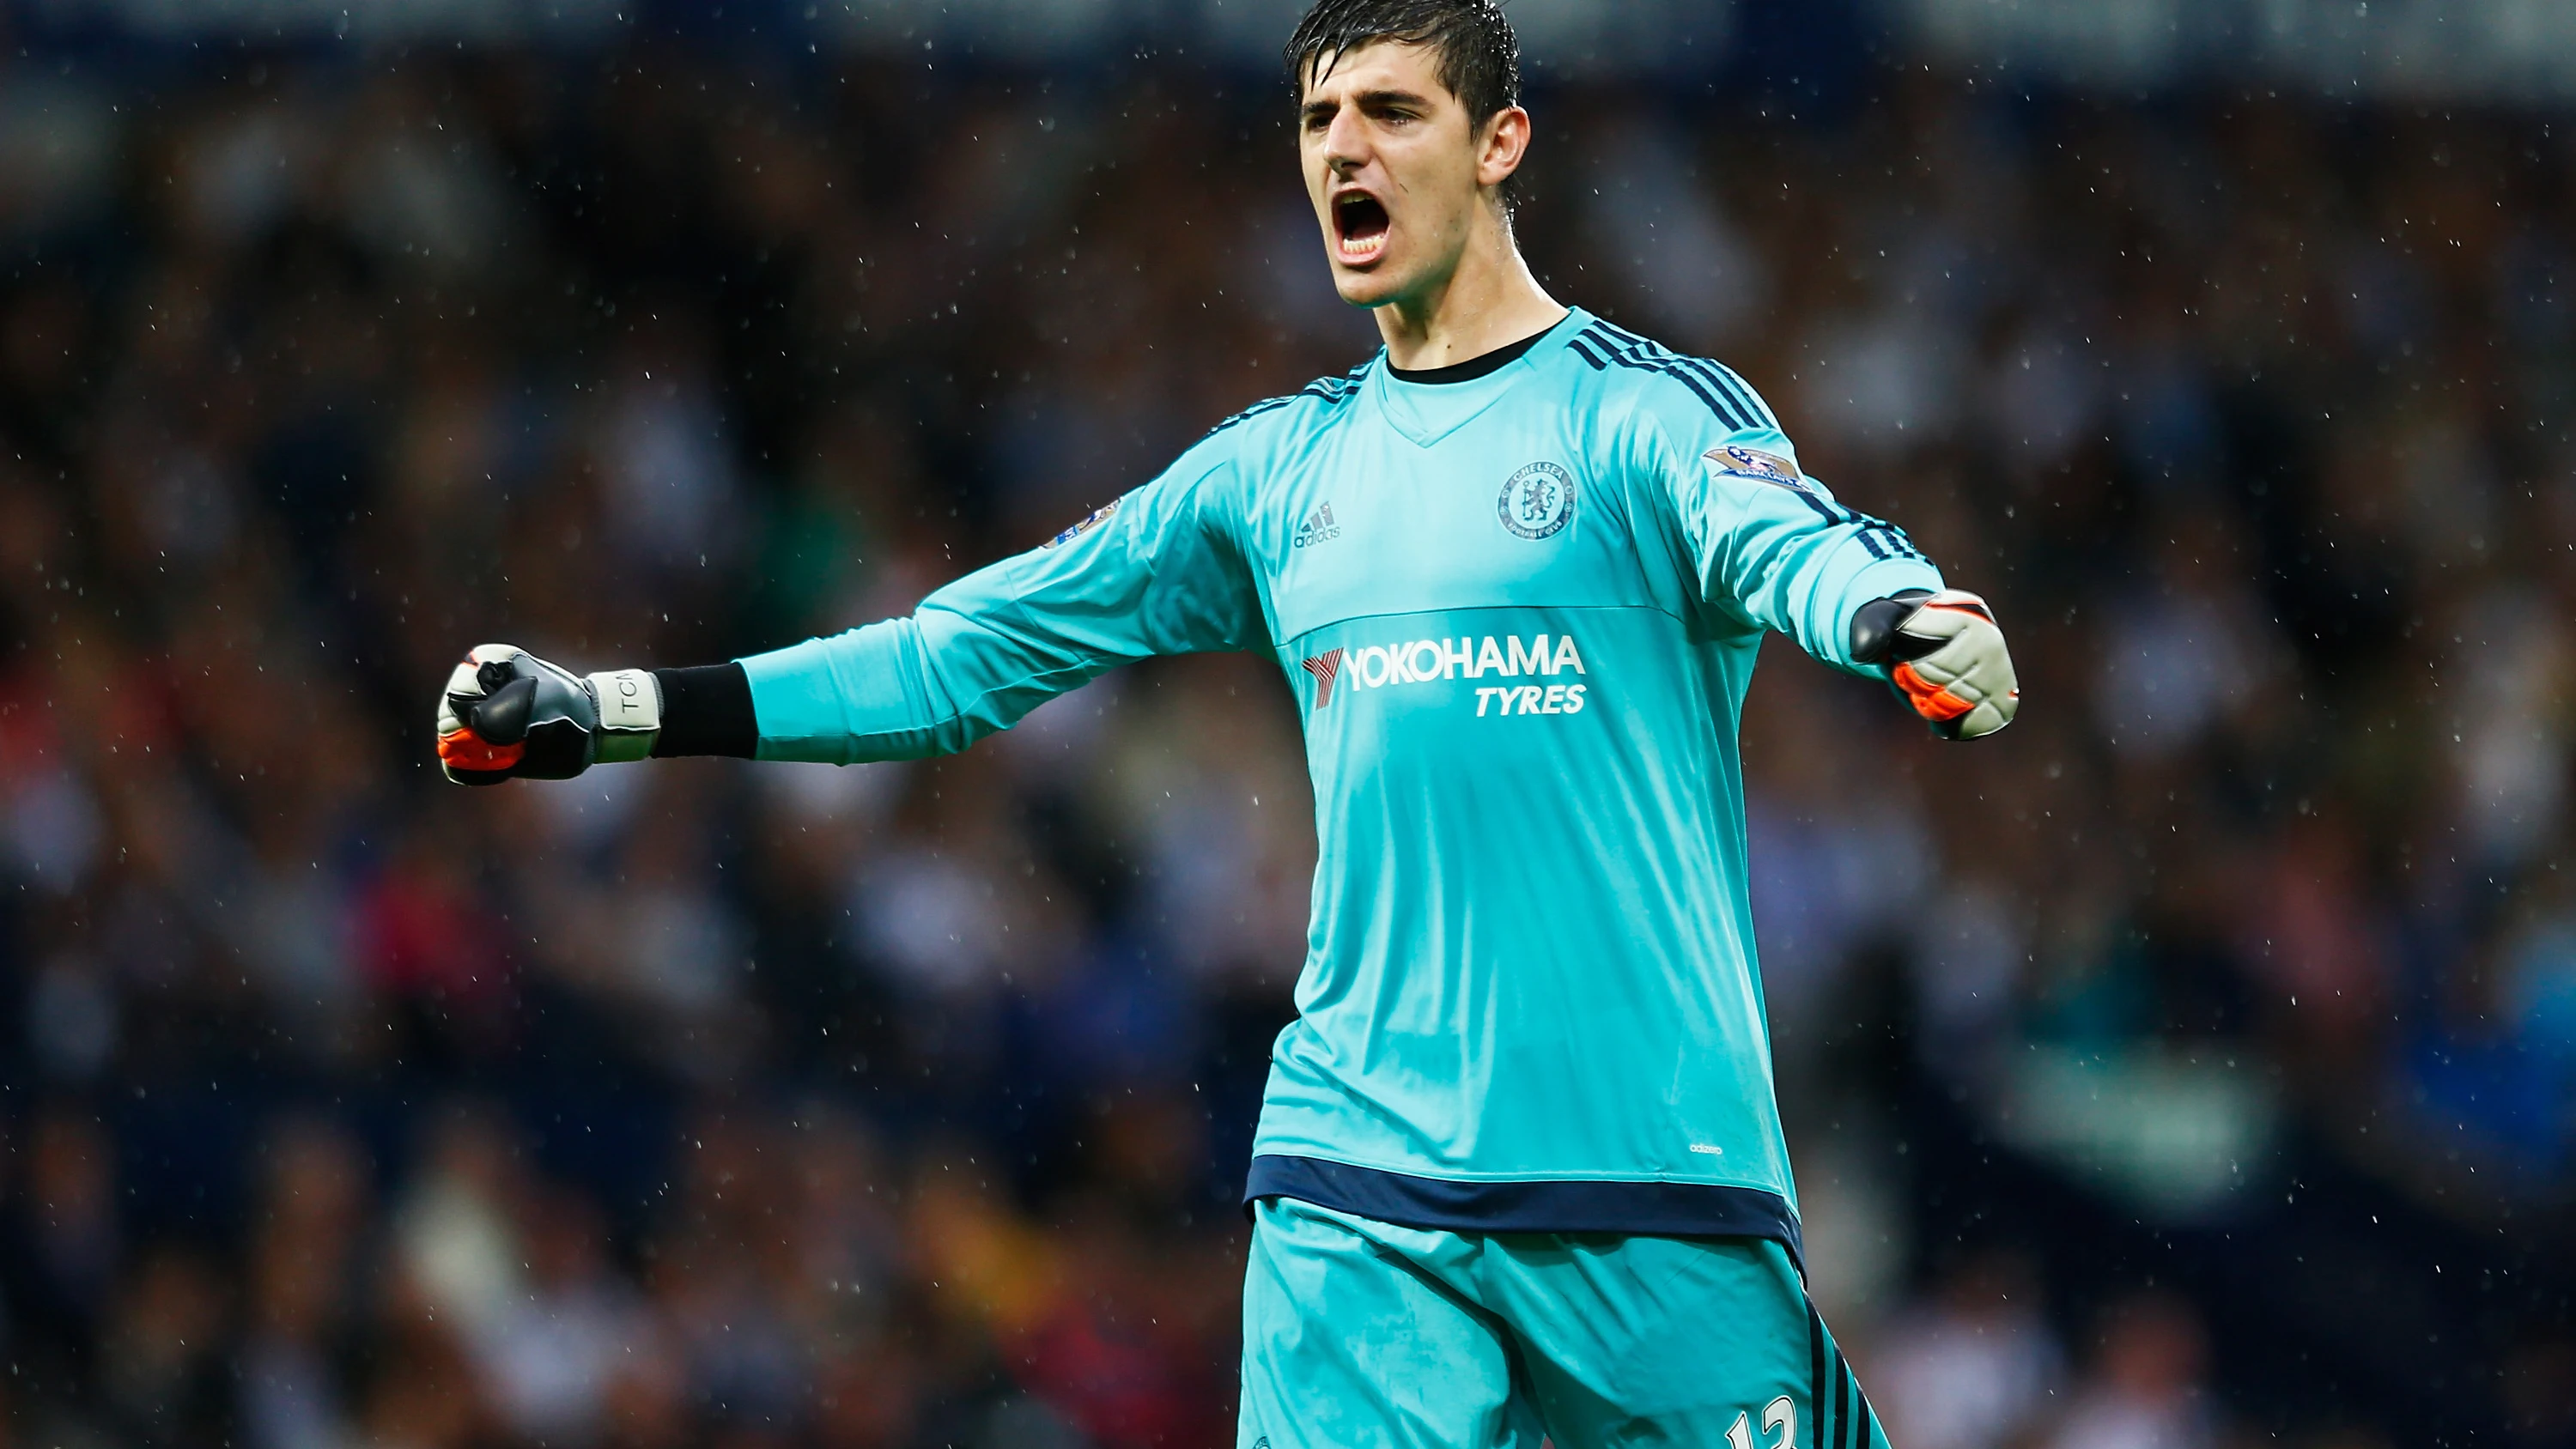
<point>1426,412</point>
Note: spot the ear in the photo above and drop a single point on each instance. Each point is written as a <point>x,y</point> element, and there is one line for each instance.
<point>1506,140</point>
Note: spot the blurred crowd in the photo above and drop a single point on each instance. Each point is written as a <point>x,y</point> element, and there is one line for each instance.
<point>902,1106</point>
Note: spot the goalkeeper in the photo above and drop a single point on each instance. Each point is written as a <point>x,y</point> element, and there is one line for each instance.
<point>1519,1171</point>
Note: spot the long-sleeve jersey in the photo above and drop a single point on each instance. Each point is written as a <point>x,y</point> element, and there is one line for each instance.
<point>1518,613</point>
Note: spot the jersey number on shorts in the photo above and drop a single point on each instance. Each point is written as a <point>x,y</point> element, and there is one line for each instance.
<point>1778,1414</point>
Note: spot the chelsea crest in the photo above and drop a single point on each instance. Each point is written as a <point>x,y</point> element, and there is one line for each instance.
<point>1538,501</point>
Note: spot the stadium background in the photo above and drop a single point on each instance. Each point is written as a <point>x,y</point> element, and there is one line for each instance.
<point>2193,1066</point>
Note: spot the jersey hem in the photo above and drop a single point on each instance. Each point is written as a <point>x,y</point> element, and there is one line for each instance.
<point>1652,1208</point>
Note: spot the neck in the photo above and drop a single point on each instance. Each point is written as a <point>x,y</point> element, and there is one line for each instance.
<point>1488,299</point>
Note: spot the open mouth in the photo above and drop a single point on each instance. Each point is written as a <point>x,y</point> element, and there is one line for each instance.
<point>1360,227</point>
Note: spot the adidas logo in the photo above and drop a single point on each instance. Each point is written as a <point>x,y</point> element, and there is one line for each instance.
<point>1319,527</point>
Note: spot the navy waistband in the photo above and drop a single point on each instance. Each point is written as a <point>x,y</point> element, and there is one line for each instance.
<point>1654,1209</point>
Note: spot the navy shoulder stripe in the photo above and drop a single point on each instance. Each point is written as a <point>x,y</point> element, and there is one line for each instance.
<point>1332,390</point>
<point>1721,387</point>
<point>1266,405</point>
<point>1736,404</point>
<point>1630,355</point>
<point>1628,350</point>
<point>1718,375</point>
<point>1735,380</point>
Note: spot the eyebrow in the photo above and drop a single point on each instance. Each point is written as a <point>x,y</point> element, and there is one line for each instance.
<point>1367,100</point>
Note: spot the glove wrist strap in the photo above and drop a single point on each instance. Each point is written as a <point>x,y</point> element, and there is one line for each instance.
<point>707,711</point>
<point>630,714</point>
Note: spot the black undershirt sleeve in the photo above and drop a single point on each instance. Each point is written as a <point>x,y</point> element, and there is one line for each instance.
<point>706,711</point>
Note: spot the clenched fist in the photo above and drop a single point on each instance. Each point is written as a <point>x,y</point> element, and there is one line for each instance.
<point>506,714</point>
<point>1946,654</point>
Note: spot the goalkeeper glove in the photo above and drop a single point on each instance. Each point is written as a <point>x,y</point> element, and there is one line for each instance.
<point>1946,655</point>
<point>506,714</point>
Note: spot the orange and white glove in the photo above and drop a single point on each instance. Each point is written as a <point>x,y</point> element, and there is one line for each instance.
<point>508,715</point>
<point>1944,653</point>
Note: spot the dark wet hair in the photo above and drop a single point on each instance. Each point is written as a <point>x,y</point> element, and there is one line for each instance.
<point>1479,59</point>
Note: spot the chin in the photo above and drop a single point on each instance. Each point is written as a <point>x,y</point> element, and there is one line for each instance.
<point>1363,291</point>
<point>1373,288</point>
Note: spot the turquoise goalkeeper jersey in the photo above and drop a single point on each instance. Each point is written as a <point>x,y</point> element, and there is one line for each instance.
<point>1518,612</point>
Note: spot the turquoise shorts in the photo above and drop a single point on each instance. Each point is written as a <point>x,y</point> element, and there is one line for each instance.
<point>1361,1335</point>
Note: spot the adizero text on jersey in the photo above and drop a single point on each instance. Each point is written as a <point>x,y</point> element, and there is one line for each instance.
<point>1520,612</point>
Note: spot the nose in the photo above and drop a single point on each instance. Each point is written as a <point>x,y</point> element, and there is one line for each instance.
<point>1345,143</point>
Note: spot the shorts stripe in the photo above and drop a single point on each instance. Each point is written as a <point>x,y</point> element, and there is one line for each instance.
<point>1816,1410</point>
<point>1851,1421</point>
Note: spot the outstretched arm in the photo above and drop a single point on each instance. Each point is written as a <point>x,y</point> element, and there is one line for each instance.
<point>1157,572</point>
<point>1776,548</point>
